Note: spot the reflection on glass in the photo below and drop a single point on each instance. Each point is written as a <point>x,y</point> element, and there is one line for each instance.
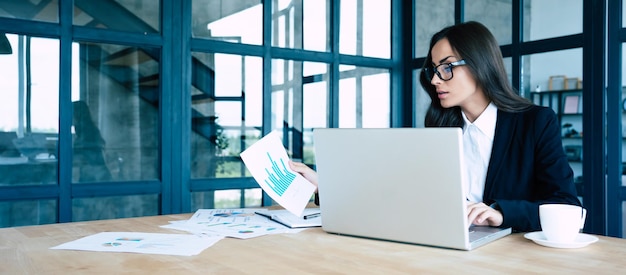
<point>141,16</point>
<point>299,102</point>
<point>47,11</point>
<point>364,98</point>
<point>365,28</point>
<point>494,14</point>
<point>560,88</point>
<point>428,22</point>
<point>552,18</point>
<point>301,24</point>
<point>21,213</point>
<point>226,112</point>
<point>222,20</point>
<point>115,94</point>
<point>29,81</point>
<point>102,208</point>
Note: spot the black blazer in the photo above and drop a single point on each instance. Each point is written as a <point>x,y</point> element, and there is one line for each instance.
<point>528,167</point>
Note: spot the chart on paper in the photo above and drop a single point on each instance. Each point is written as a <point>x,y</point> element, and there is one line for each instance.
<point>268,162</point>
<point>278,176</point>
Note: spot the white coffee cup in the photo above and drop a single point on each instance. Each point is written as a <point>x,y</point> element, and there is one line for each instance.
<point>561,223</point>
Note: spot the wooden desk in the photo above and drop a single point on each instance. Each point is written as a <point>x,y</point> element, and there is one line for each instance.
<point>25,250</point>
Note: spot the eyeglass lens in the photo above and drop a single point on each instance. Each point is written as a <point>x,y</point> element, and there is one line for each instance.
<point>444,71</point>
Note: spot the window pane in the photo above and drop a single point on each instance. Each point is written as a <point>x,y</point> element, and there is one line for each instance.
<point>141,16</point>
<point>494,14</point>
<point>315,105</point>
<point>623,106</point>
<point>291,82</point>
<point>233,198</point>
<point>552,18</point>
<point>47,11</point>
<point>560,87</point>
<point>508,66</point>
<point>115,94</point>
<point>102,208</point>
<point>29,81</point>
<point>422,100</point>
<point>623,219</point>
<point>226,112</point>
<point>624,26</point>
<point>301,24</point>
<point>365,28</point>
<point>428,22</point>
<point>222,20</point>
<point>364,97</point>
<point>21,213</point>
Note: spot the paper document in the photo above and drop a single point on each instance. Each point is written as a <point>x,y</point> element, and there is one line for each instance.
<point>313,217</point>
<point>268,162</point>
<point>147,243</point>
<point>235,223</point>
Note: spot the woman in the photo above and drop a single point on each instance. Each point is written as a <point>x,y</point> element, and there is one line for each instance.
<point>513,151</point>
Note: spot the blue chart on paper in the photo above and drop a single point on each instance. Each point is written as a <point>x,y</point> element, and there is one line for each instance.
<point>279,178</point>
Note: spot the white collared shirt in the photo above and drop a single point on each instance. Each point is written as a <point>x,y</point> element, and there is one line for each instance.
<point>477,145</point>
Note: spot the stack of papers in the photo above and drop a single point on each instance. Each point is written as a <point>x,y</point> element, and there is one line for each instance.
<point>207,227</point>
<point>235,223</point>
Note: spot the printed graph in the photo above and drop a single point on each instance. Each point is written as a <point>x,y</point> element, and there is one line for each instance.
<point>278,177</point>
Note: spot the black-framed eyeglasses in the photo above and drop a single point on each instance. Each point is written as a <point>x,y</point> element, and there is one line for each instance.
<point>443,71</point>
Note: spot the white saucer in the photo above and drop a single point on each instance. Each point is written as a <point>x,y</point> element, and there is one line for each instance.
<point>582,240</point>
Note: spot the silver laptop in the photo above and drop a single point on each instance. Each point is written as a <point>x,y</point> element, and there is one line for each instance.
<point>396,184</point>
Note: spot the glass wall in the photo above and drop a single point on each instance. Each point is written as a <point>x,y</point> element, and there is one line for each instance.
<point>365,28</point>
<point>292,115</point>
<point>27,212</point>
<point>315,105</point>
<point>111,207</point>
<point>226,111</point>
<point>29,81</point>
<point>222,20</point>
<point>364,98</point>
<point>301,24</point>
<point>115,126</point>
<point>115,100</point>
<point>541,15</point>
<point>623,133</point>
<point>141,16</point>
<point>29,126</point>
<point>499,23</point>
<point>45,11</point>
<point>430,17</point>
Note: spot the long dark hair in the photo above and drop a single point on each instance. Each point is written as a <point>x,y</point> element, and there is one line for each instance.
<point>474,43</point>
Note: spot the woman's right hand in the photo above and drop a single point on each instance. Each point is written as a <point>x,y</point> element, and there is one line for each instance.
<point>305,171</point>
